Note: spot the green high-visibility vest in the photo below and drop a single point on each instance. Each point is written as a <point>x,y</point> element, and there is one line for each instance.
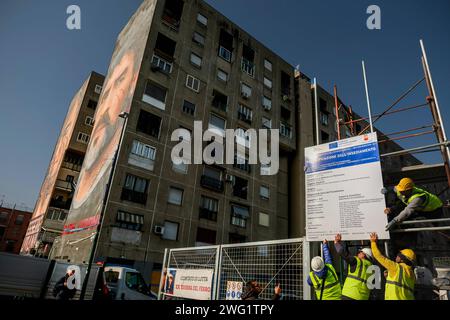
<point>431,203</point>
<point>400,286</point>
<point>355,286</point>
<point>332,287</point>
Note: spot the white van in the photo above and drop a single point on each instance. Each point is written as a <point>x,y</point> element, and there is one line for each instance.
<point>127,284</point>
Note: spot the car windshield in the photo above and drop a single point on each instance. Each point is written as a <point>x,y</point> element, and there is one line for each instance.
<point>111,276</point>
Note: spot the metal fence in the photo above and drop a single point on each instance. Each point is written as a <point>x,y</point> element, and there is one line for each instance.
<point>284,262</point>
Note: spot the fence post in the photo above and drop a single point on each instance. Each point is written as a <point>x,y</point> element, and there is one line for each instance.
<point>217,271</point>
<point>306,266</point>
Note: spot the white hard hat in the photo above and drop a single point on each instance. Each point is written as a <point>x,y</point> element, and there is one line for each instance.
<point>367,252</point>
<point>317,264</point>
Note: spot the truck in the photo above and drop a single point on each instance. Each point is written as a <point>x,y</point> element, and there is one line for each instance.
<point>28,277</point>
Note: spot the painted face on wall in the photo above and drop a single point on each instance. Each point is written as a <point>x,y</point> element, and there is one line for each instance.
<point>58,155</point>
<point>116,98</point>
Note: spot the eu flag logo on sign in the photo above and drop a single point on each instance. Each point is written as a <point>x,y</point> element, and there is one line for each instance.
<point>333,145</point>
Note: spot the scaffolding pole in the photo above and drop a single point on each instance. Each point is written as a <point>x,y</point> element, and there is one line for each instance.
<point>367,96</point>
<point>316,106</point>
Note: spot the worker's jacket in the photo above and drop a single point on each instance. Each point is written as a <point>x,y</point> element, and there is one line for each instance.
<point>431,202</point>
<point>400,286</point>
<point>332,287</point>
<point>355,286</point>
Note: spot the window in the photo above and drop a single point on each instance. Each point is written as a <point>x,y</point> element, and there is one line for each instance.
<point>264,169</point>
<point>217,124</point>
<point>242,137</point>
<point>285,130</point>
<point>268,83</point>
<point>268,65</point>
<point>239,215</point>
<point>188,107</point>
<point>247,63</point>
<point>4,216</point>
<point>198,39</point>
<point>180,168</point>
<point>285,84</point>
<point>266,123</point>
<point>245,114</point>
<point>241,163</point>
<point>246,91</point>
<point>205,237</point>
<point>126,220</point>
<point>264,219</point>
<point>225,45</point>
<point>155,95</point>
<point>89,121</point>
<point>135,282</point>
<point>202,20</point>
<point>175,196</point>
<point>220,101</point>
<point>264,192</point>
<point>98,89</point>
<point>267,103</point>
<point>19,219</point>
<point>324,118</point>
<point>161,64</point>
<point>83,138</point>
<point>73,161</point>
<point>323,105</point>
<point>135,189</point>
<point>212,179</point>
<point>56,214</point>
<point>209,208</point>
<point>10,245</point>
<point>165,47</point>
<point>173,10</point>
<point>193,83</point>
<point>240,188</point>
<point>149,123</point>
<point>92,104</point>
<point>143,150</point>
<point>222,75</point>
<point>170,231</point>
<point>196,60</point>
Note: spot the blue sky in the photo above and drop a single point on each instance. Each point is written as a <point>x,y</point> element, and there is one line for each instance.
<point>42,64</point>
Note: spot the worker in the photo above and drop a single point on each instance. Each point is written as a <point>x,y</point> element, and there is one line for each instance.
<point>418,202</point>
<point>355,286</point>
<point>400,279</point>
<point>323,277</point>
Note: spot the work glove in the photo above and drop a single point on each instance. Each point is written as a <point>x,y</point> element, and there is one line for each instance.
<point>391,224</point>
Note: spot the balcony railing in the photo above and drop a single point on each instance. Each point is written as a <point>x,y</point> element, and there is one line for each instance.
<point>170,20</point>
<point>65,185</point>
<point>208,214</point>
<point>211,183</point>
<point>285,130</point>
<point>246,117</point>
<point>134,196</point>
<point>225,53</point>
<point>161,64</point>
<point>71,166</point>
<point>248,67</point>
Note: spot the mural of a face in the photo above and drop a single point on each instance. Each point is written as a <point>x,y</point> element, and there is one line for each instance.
<point>105,137</point>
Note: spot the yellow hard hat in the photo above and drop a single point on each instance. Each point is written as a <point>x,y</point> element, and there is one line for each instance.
<point>409,254</point>
<point>405,184</point>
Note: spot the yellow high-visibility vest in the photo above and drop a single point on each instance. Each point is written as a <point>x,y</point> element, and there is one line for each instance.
<point>355,286</point>
<point>400,286</point>
<point>332,287</point>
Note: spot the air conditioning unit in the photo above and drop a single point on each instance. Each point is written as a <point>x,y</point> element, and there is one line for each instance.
<point>159,230</point>
<point>229,178</point>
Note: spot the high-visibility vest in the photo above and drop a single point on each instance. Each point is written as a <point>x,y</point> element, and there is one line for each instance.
<point>332,287</point>
<point>401,285</point>
<point>355,286</point>
<point>431,203</point>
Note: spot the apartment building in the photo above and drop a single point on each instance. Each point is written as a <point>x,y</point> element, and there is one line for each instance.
<point>14,222</point>
<point>57,190</point>
<point>180,62</point>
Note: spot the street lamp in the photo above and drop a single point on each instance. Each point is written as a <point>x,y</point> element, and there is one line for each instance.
<point>124,116</point>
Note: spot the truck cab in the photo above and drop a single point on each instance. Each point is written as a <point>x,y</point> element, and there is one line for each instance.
<point>126,284</point>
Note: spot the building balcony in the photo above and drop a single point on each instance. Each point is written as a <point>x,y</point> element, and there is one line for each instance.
<point>71,166</point>
<point>247,118</point>
<point>59,204</point>
<point>207,214</point>
<point>240,192</point>
<point>211,183</point>
<point>64,185</point>
<point>219,105</point>
<point>285,130</point>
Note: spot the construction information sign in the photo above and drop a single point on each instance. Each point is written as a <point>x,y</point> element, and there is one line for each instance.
<point>234,290</point>
<point>193,284</point>
<point>343,190</point>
